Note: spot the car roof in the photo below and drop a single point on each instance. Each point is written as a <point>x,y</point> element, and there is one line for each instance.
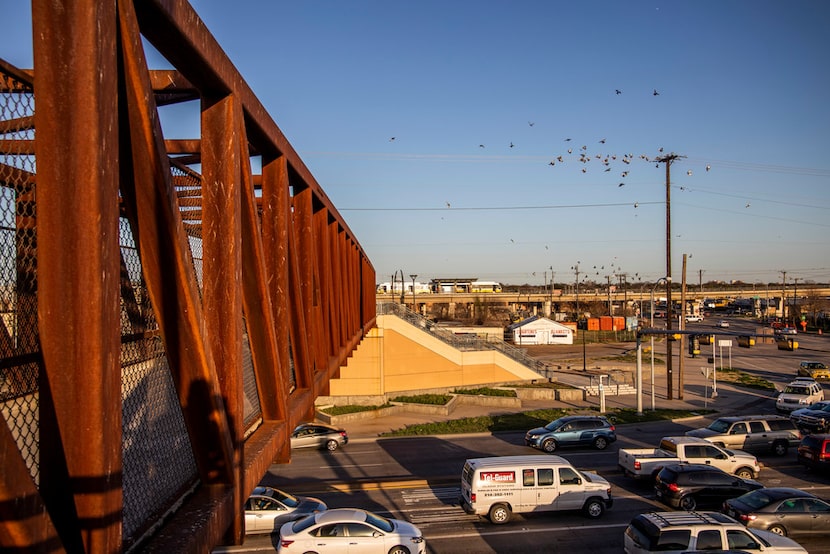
<point>530,459</point>
<point>668,519</point>
<point>733,419</point>
<point>336,515</point>
<point>777,493</point>
<point>316,424</point>
<point>687,468</point>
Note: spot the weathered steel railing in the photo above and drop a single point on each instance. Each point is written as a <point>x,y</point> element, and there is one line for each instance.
<point>166,315</point>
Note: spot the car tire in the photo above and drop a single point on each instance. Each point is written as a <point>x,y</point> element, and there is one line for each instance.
<point>400,549</point>
<point>332,445</point>
<point>778,530</point>
<point>600,443</point>
<point>779,448</point>
<point>499,514</point>
<point>745,473</point>
<point>594,508</point>
<point>549,446</point>
<point>688,503</point>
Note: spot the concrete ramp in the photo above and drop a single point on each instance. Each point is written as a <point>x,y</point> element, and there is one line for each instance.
<point>398,356</point>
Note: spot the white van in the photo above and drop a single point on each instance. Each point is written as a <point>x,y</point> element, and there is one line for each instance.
<point>499,486</point>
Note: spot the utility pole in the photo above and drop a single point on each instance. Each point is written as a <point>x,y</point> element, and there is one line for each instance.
<point>668,159</point>
<point>576,270</point>
<point>700,280</point>
<point>610,311</point>
<point>784,295</point>
<point>795,299</point>
<point>682,327</point>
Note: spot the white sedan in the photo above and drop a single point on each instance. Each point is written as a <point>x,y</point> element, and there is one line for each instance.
<point>267,509</point>
<point>723,324</point>
<point>350,530</point>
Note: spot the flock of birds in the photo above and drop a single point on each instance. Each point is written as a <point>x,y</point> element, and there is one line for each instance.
<point>605,160</point>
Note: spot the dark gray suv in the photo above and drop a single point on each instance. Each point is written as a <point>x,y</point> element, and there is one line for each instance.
<point>576,430</point>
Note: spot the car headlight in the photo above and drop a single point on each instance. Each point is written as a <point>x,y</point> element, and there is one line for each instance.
<point>533,437</point>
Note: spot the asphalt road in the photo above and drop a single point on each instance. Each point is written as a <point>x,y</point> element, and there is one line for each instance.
<point>417,478</point>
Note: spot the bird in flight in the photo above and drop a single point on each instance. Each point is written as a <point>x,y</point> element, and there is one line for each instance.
<point>618,91</point>
<point>392,139</point>
<point>567,140</point>
<point>481,146</point>
<point>621,185</point>
<point>708,167</point>
<point>511,145</point>
<point>655,93</point>
<point>625,173</point>
<point>602,141</point>
<point>531,123</point>
<point>448,204</point>
<point>689,173</point>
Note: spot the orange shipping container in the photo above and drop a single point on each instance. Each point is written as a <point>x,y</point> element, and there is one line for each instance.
<point>605,323</point>
<point>619,323</point>
<point>593,324</point>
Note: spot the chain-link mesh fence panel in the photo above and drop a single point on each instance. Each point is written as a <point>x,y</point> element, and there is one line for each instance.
<point>159,466</point>
<point>19,341</point>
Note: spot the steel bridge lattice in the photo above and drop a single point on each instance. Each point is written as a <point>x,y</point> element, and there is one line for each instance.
<point>169,313</point>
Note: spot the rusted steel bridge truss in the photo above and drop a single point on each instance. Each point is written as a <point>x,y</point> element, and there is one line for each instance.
<point>169,309</point>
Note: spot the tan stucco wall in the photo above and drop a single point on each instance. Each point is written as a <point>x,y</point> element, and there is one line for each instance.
<point>398,357</point>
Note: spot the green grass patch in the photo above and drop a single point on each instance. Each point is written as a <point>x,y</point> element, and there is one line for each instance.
<point>744,379</point>
<point>432,399</point>
<point>481,424</point>
<point>487,391</point>
<point>524,421</point>
<point>629,415</point>
<point>351,409</point>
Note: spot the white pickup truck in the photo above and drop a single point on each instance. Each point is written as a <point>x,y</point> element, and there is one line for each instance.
<point>645,463</point>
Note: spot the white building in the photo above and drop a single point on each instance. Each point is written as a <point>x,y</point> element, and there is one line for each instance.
<point>540,330</point>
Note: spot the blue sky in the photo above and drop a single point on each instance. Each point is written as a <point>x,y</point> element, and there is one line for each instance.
<point>742,90</point>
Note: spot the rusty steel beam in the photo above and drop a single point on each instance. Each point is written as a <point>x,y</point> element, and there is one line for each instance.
<point>222,263</point>
<point>174,28</point>
<point>79,271</point>
<point>305,280</point>
<point>154,214</point>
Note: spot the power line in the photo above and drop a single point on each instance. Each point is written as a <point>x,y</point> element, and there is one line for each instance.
<point>499,208</point>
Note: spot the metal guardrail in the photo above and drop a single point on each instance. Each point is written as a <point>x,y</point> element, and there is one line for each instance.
<point>465,343</point>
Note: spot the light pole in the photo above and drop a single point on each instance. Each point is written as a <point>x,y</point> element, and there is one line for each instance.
<point>413,275</point>
<point>657,284</point>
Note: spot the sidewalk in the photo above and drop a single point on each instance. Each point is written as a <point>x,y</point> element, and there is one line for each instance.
<point>697,395</point>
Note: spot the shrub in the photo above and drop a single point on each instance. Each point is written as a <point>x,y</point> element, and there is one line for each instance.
<point>487,391</point>
<point>433,399</point>
<point>351,409</point>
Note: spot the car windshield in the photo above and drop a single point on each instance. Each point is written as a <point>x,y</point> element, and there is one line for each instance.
<point>285,498</point>
<point>797,390</point>
<point>554,425</point>
<point>755,499</point>
<point>719,426</point>
<point>380,522</point>
<point>303,523</point>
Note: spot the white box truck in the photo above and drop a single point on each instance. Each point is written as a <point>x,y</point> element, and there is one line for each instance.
<point>500,486</point>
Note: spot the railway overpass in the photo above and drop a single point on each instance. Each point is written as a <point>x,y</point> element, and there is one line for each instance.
<point>450,305</point>
<point>170,308</point>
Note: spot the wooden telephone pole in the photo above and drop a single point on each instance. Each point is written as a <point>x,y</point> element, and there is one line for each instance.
<point>668,159</point>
